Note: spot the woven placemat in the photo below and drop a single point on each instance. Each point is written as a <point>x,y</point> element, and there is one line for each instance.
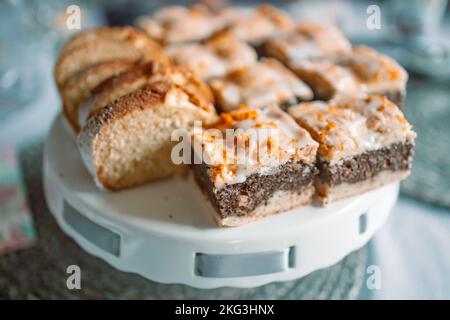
<point>40,272</point>
<point>428,109</point>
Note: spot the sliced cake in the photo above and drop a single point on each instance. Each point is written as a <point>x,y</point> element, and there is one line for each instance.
<point>364,144</point>
<point>377,73</point>
<point>137,77</point>
<point>253,163</point>
<point>261,84</point>
<point>256,25</point>
<point>176,24</point>
<point>99,45</point>
<point>327,80</point>
<point>307,41</point>
<point>81,85</point>
<point>215,57</point>
<point>105,33</point>
<point>128,142</point>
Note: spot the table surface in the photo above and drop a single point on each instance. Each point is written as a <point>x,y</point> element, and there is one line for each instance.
<point>411,250</point>
<point>40,272</point>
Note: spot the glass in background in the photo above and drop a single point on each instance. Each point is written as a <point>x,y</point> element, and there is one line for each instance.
<point>417,29</point>
<point>20,48</point>
<point>30,32</point>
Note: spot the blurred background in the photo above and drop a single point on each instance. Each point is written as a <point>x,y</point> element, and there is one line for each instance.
<point>412,249</point>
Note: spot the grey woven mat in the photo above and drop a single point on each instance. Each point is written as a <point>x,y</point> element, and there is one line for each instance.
<point>428,109</point>
<point>40,272</point>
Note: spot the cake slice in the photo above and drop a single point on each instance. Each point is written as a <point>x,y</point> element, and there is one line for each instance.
<point>137,77</point>
<point>256,25</point>
<point>128,142</point>
<point>364,144</point>
<point>105,33</point>
<point>307,41</point>
<point>253,163</point>
<point>215,57</point>
<point>326,79</point>
<point>309,51</point>
<point>261,84</point>
<point>176,24</point>
<point>378,73</point>
<point>80,86</point>
<point>99,45</point>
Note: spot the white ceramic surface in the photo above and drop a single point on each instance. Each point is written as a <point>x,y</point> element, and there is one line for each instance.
<point>163,225</point>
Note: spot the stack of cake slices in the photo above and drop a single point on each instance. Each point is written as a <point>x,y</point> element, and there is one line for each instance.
<point>312,119</point>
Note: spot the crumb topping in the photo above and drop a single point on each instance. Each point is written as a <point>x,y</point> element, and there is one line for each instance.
<point>261,84</point>
<point>175,24</point>
<point>256,25</point>
<point>349,127</point>
<point>342,81</point>
<point>247,140</point>
<point>218,56</point>
<point>377,71</point>
<point>308,41</point>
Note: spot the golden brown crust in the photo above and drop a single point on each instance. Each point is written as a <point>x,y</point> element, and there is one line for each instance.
<point>74,87</point>
<point>90,35</point>
<point>106,33</point>
<point>150,96</point>
<point>139,70</point>
<point>149,72</point>
<point>117,64</point>
<point>147,97</point>
<point>102,41</point>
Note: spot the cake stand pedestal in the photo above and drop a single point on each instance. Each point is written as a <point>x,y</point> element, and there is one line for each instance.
<point>163,232</point>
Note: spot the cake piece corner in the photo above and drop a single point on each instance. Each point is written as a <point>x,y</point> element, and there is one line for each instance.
<point>365,143</point>
<point>277,171</point>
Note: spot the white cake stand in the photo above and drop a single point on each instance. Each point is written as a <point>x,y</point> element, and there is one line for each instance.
<point>163,231</point>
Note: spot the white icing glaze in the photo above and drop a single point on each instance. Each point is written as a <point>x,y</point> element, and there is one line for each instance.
<point>175,24</point>
<point>349,127</point>
<point>385,118</point>
<point>308,41</point>
<point>248,141</point>
<point>235,52</point>
<point>340,79</point>
<point>256,25</point>
<point>378,72</point>
<point>219,55</point>
<point>261,84</point>
<point>198,58</point>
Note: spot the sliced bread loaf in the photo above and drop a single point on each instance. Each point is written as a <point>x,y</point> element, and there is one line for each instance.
<point>137,77</point>
<point>80,86</point>
<point>105,33</point>
<point>127,143</point>
<point>99,45</point>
